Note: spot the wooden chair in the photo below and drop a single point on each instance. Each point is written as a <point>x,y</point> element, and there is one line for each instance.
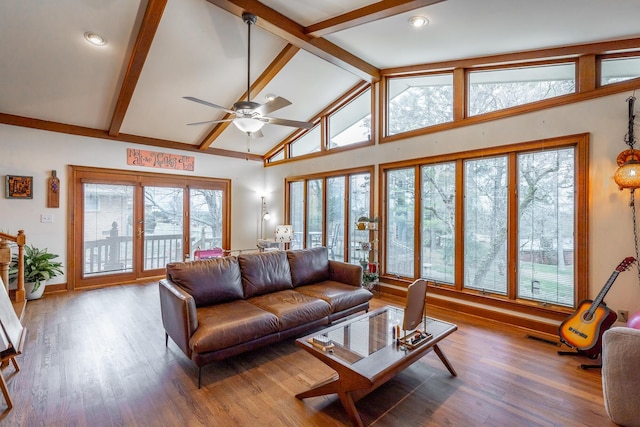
<point>12,337</point>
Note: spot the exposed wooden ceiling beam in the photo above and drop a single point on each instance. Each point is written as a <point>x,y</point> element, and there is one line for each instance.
<point>294,33</point>
<point>148,27</point>
<point>261,82</point>
<point>370,13</point>
<point>28,122</point>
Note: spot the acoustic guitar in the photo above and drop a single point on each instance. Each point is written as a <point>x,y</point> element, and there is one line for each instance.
<point>584,328</point>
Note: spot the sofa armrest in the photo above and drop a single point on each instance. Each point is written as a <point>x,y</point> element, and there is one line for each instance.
<point>343,272</point>
<point>179,317</point>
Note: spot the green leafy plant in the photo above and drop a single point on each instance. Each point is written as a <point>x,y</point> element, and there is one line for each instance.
<point>369,277</point>
<point>38,266</point>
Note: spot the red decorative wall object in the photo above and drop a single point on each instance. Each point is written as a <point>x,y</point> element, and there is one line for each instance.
<point>154,159</point>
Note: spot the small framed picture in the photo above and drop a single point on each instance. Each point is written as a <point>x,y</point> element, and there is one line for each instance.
<point>19,187</point>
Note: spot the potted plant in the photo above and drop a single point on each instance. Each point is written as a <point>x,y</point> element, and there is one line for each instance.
<point>369,279</point>
<point>38,268</point>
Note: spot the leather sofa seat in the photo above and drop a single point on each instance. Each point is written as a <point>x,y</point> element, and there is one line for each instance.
<point>292,308</point>
<point>221,307</point>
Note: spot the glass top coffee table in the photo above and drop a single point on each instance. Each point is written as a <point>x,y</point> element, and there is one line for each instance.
<point>365,354</point>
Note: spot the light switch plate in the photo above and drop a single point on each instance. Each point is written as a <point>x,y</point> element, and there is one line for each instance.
<point>46,218</point>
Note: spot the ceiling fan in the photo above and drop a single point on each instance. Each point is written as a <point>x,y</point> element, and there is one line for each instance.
<point>250,116</point>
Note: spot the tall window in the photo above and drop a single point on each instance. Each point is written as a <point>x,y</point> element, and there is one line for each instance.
<point>323,210</point>
<point>438,222</point>
<point>401,199</point>
<point>514,215</point>
<point>546,202</point>
<point>485,224</point>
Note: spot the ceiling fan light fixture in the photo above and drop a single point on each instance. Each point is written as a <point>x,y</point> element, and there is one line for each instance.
<point>248,125</point>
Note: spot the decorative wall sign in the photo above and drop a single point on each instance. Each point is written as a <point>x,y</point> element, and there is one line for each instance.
<point>19,187</point>
<point>53,191</point>
<point>154,159</point>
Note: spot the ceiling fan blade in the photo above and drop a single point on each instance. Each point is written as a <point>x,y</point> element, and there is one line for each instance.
<point>208,104</point>
<point>275,104</point>
<point>257,134</point>
<point>285,122</point>
<point>209,121</point>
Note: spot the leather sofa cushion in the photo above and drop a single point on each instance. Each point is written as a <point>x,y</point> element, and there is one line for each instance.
<point>309,265</point>
<point>292,308</point>
<point>225,325</point>
<point>338,295</point>
<point>264,273</point>
<point>211,281</point>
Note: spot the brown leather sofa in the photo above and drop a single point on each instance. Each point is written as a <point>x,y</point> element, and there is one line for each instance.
<point>220,307</point>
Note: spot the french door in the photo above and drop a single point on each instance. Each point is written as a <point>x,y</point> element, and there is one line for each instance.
<point>128,225</point>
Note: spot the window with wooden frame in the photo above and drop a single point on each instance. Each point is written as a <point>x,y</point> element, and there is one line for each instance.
<point>345,124</point>
<point>324,208</point>
<point>619,68</point>
<point>500,223</point>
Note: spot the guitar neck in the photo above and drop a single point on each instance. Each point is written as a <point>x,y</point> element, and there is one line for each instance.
<point>604,290</point>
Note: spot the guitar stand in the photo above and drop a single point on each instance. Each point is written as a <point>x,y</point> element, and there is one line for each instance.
<point>581,353</point>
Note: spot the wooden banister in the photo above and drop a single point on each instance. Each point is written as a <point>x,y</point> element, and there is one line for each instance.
<point>5,261</point>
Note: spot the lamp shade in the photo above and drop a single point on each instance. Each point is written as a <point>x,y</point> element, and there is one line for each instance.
<point>628,173</point>
<point>284,233</point>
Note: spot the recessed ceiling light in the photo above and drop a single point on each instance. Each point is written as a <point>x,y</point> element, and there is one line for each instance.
<point>418,21</point>
<point>95,39</point>
<point>269,97</point>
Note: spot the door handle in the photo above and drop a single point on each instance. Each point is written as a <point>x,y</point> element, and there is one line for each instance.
<point>140,232</point>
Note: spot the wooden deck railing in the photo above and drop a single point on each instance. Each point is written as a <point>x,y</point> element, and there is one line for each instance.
<point>5,262</point>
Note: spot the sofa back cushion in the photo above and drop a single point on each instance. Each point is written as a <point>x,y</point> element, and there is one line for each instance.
<point>264,273</point>
<point>309,266</point>
<point>210,281</point>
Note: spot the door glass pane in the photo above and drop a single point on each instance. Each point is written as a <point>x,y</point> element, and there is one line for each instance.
<point>296,212</point>
<point>359,206</point>
<point>335,217</point>
<point>400,229</point>
<point>314,213</point>
<point>546,202</point>
<point>163,226</point>
<point>438,222</point>
<point>108,229</point>
<point>205,219</point>
<point>485,224</point>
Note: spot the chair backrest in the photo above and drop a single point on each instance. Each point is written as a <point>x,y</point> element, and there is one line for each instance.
<point>414,307</point>
<point>207,253</point>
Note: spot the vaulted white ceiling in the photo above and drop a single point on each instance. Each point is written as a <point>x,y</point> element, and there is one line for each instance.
<point>133,88</point>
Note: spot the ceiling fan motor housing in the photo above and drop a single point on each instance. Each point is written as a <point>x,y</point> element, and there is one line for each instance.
<point>249,18</point>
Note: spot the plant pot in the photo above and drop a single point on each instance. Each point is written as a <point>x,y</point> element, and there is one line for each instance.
<point>30,294</point>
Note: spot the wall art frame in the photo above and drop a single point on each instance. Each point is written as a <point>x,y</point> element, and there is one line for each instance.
<point>18,187</point>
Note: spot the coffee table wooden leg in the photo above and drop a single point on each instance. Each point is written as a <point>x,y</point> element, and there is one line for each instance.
<point>350,407</point>
<point>329,386</point>
<point>444,360</point>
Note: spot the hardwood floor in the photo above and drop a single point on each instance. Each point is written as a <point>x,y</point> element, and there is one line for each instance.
<point>97,358</point>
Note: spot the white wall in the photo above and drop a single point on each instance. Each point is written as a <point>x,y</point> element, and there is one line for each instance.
<point>610,221</point>
<point>35,153</point>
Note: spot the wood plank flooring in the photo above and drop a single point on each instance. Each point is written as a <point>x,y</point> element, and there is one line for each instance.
<point>97,358</point>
